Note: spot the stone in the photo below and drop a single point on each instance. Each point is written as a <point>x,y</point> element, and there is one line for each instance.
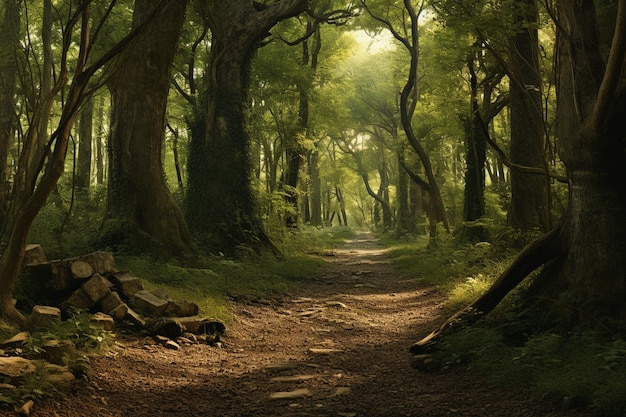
<point>324,351</point>
<point>58,351</point>
<point>126,283</point>
<point>149,303</point>
<point>79,300</point>
<point>34,254</point>
<point>16,340</point>
<point>426,363</point>
<point>182,308</point>
<point>105,321</point>
<point>170,344</point>
<point>97,287</point>
<point>287,395</point>
<point>42,317</point>
<point>15,367</point>
<point>59,376</point>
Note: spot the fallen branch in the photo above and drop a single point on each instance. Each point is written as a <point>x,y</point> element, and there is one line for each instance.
<point>536,254</point>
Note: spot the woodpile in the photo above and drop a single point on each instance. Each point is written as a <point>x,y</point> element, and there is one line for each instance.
<point>92,283</point>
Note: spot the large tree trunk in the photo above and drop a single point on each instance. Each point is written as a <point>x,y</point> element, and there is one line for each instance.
<point>141,212</point>
<point>591,279</point>
<point>529,192</point>
<point>9,32</point>
<point>220,201</point>
<point>585,277</point>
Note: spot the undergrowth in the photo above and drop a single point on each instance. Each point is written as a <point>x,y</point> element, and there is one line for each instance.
<point>212,281</point>
<point>565,371</point>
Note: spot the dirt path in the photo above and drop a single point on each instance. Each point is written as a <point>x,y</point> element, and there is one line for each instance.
<point>337,347</point>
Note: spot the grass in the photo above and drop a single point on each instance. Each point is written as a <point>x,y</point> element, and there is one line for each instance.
<point>213,281</point>
<point>577,369</point>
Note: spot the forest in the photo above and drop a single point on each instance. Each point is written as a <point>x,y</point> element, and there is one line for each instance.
<point>188,133</point>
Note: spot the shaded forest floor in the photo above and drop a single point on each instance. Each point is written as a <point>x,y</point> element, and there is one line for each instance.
<point>335,346</point>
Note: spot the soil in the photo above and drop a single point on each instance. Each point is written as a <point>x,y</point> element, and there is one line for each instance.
<point>336,346</point>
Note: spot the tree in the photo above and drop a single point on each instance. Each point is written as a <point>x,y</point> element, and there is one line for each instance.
<point>408,35</point>
<point>529,191</point>
<point>31,196</point>
<point>141,212</point>
<point>585,270</point>
<point>9,32</point>
<point>219,163</point>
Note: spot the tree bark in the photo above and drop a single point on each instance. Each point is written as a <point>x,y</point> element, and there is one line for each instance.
<point>9,32</point>
<point>141,212</point>
<point>529,208</point>
<point>220,203</point>
<point>585,277</point>
<point>85,132</point>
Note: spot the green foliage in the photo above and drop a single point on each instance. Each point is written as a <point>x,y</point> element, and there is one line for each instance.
<point>579,370</point>
<point>212,281</point>
<point>573,370</point>
<point>85,335</point>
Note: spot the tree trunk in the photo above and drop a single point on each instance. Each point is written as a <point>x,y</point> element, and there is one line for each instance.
<point>585,276</point>
<point>315,189</point>
<point>529,192</point>
<point>591,279</point>
<point>9,32</point>
<point>220,201</point>
<point>141,212</point>
<point>85,134</point>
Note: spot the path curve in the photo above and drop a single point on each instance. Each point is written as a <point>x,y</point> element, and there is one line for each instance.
<point>336,346</point>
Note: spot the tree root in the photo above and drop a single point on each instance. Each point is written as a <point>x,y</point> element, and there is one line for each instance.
<point>536,254</point>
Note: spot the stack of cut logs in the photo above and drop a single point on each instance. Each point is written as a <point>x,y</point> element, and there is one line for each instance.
<point>92,283</point>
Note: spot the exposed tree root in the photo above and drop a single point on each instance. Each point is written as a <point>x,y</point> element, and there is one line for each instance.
<point>537,253</point>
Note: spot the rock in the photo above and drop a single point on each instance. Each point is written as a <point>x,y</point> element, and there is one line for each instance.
<point>324,351</point>
<point>286,395</point>
<point>59,376</point>
<point>149,303</point>
<point>97,287</point>
<point>126,283</point>
<point>337,304</point>
<point>170,344</point>
<point>16,340</point>
<point>58,351</point>
<point>34,254</point>
<point>426,363</point>
<point>103,320</point>
<point>79,300</point>
<point>26,408</point>
<point>182,308</point>
<point>42,317</point>
<point>15,367</point>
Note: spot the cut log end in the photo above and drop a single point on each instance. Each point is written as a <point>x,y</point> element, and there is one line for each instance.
<point>80,269</point>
